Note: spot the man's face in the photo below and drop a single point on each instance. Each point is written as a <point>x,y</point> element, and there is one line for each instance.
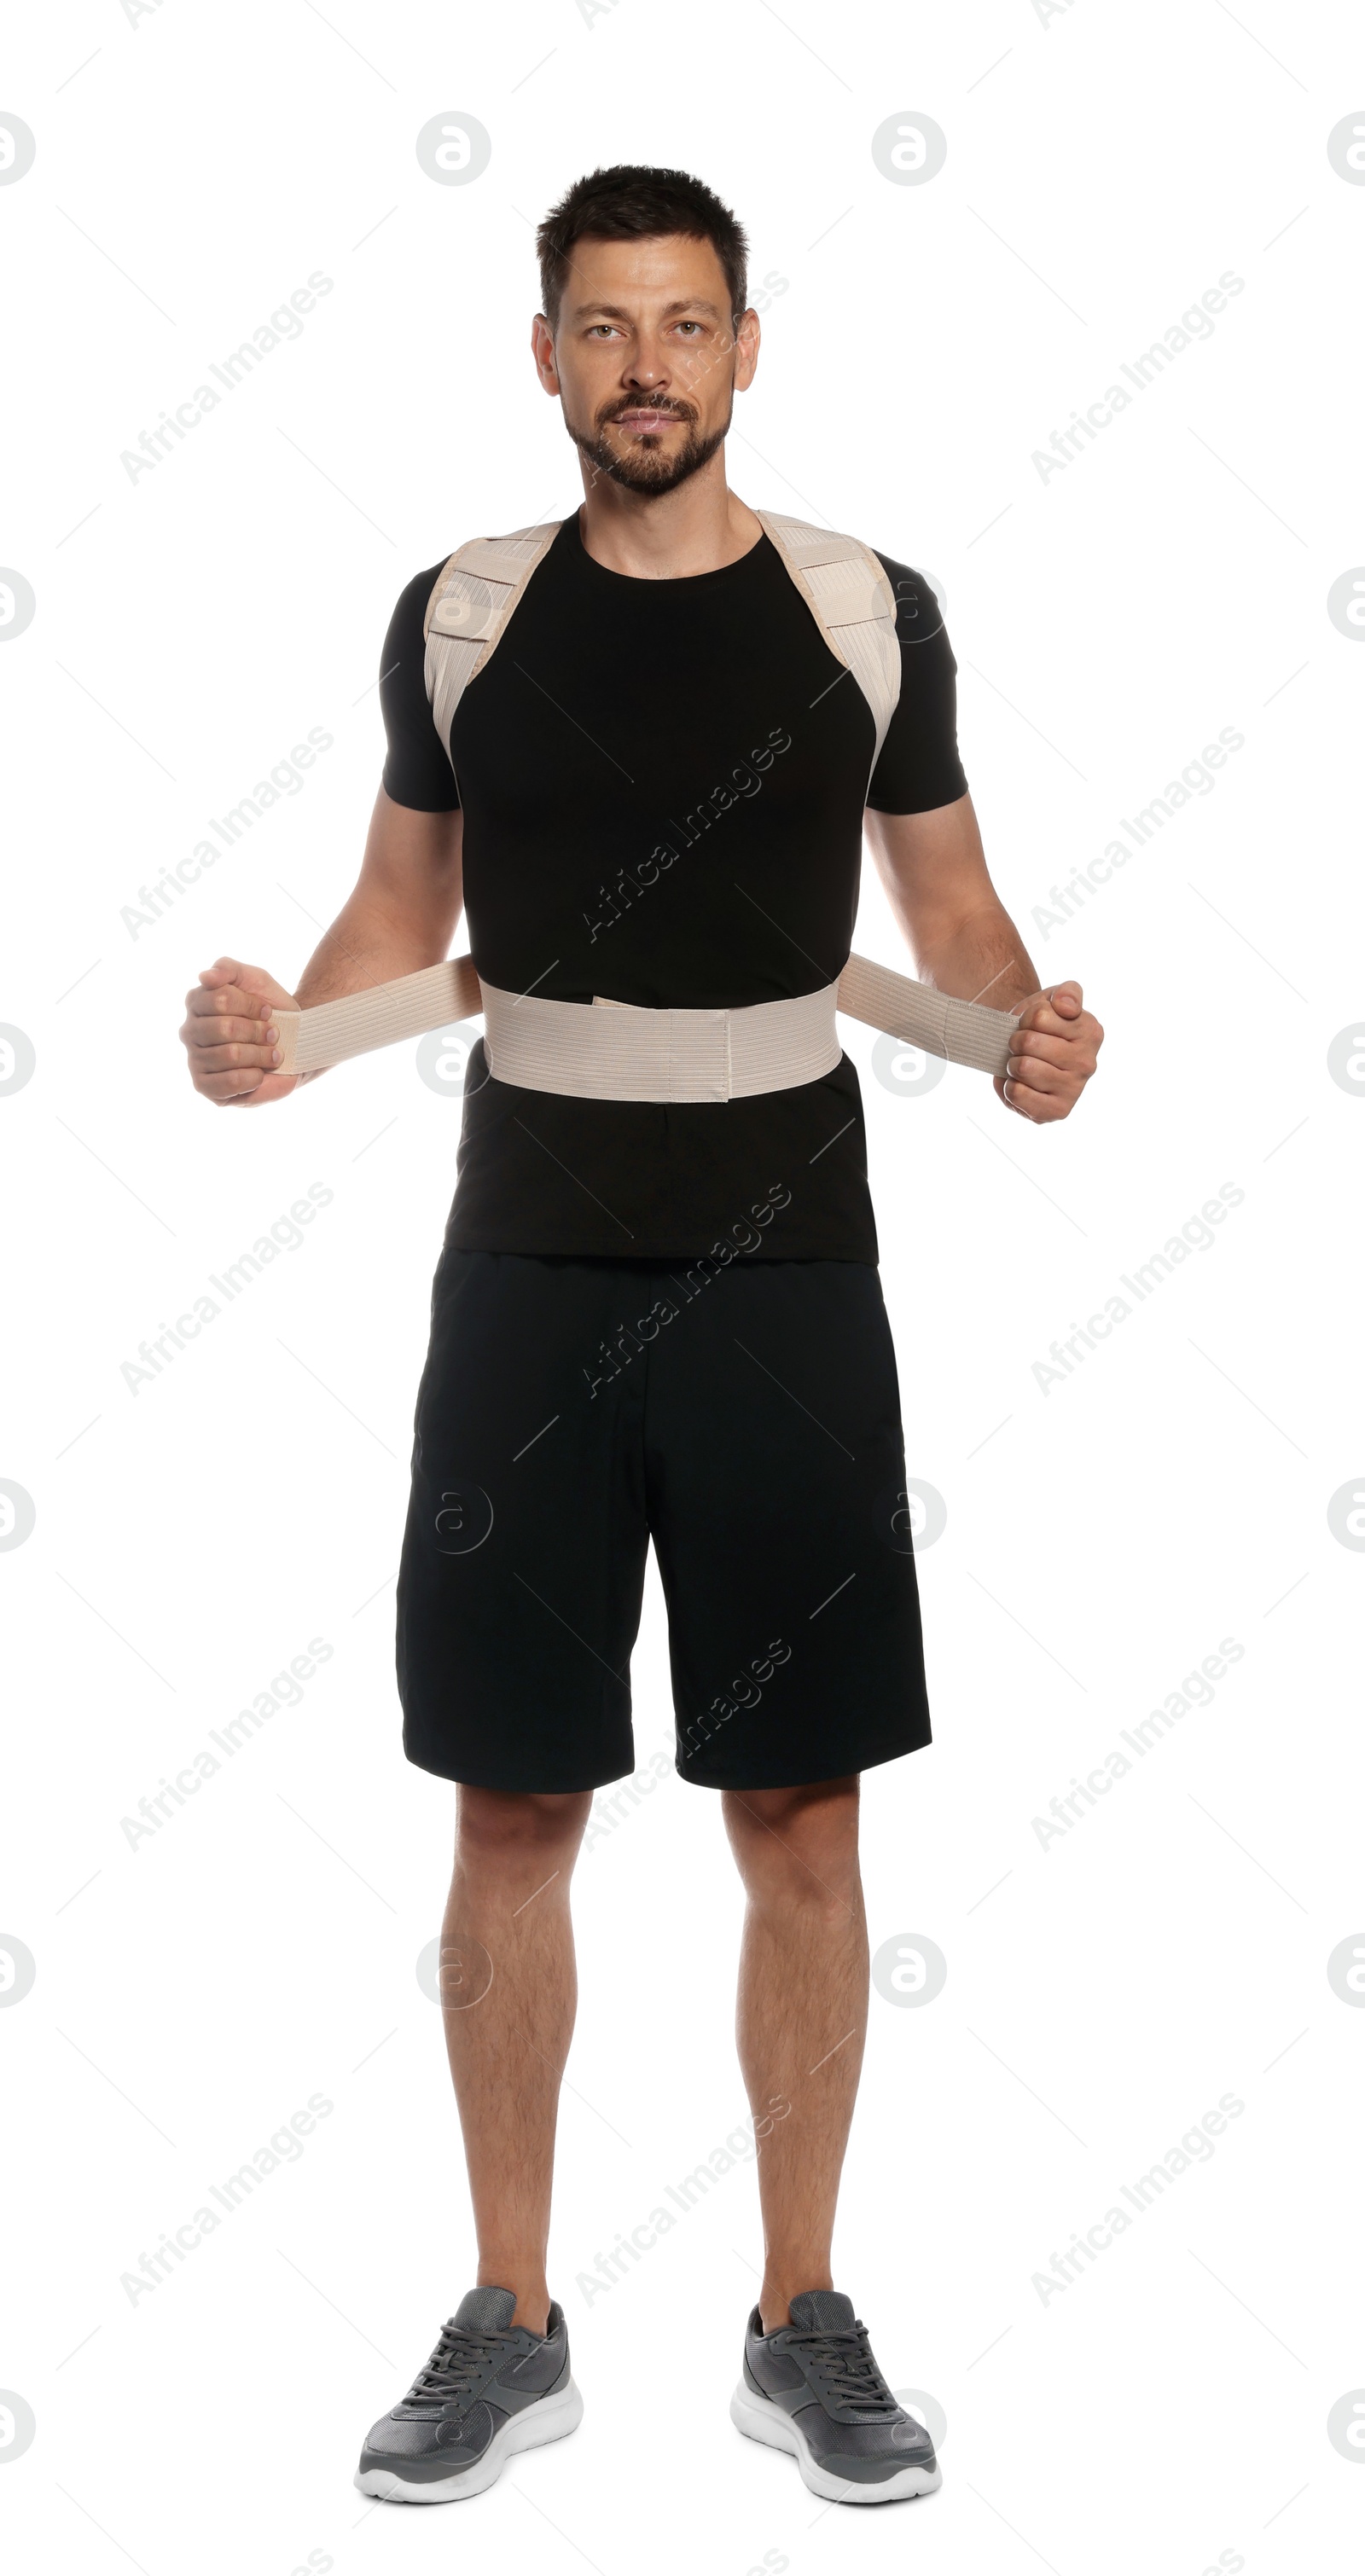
<point>645,360</point>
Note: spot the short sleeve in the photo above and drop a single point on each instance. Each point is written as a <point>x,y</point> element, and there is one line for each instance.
<point>416,769</point>
<point>918,766</point>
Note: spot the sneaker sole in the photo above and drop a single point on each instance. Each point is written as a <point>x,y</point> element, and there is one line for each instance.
<point>765,2423</point>
<point>547,2421</point>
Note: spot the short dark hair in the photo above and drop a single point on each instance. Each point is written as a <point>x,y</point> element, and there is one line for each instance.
<point>633,203</point>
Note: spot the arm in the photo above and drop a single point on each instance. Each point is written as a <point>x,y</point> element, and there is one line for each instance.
<point>400,915</point>
<point>963,942</point>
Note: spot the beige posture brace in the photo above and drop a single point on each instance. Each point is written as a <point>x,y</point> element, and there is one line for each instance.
<point>617,1051</point>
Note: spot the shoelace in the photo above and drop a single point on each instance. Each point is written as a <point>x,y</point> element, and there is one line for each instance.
<point>462,2354</point>
<point>842,2356</point>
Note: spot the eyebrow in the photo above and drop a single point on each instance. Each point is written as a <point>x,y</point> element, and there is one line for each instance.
<point>618,312</point>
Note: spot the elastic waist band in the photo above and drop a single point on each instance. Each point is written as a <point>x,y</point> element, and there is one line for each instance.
<point>617,1051</point>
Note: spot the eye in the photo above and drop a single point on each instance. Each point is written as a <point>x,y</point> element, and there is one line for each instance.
<point>689,326</point>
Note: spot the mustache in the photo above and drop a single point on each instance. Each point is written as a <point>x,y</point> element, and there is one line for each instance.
<point>683,411</point>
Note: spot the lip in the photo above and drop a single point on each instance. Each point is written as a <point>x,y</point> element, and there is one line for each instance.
<point>646,420</point>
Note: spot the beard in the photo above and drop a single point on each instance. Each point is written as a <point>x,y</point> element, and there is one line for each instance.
<point>646,466</point>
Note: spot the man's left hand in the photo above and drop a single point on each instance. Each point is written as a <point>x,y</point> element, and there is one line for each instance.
<point>1053,1054</point>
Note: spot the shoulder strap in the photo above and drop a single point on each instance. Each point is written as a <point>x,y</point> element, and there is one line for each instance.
<point>475,593</point>
<point>852,603</point>
<point>840,579</point>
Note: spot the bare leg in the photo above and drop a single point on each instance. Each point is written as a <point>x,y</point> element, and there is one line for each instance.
<point>509,1990</point>
<point>802,2015</point>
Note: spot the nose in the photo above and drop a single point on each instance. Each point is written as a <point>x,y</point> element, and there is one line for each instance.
<point>645,364</point>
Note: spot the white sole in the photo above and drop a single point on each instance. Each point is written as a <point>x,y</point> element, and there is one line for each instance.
<point>767,2423</point>
<point>547,2421</point>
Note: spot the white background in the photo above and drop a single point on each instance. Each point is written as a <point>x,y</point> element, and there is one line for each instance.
<point>1105,165</point>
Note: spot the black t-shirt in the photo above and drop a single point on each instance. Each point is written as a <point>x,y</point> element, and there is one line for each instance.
<point>663,786</point>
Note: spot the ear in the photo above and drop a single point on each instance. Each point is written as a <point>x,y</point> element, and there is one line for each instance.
<point>543,351</point>
<point>746,344</point>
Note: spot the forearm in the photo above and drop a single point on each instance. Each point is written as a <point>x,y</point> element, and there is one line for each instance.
<point>964,943</point>
<point>402,912</point>
<point>400,916</point>
<point>372,941</point>
<point>958,931</point>
<point>979,957</point>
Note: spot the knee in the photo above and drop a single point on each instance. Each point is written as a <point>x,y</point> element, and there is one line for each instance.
<point>798,1846</point>
<point>493,1825</point>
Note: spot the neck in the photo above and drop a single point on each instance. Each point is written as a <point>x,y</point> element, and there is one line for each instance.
<point>700,527</point>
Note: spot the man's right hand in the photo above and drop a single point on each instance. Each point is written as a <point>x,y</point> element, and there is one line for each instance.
<point>231,1035</point>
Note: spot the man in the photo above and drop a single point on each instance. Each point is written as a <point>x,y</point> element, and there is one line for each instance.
<point>658,1321</point>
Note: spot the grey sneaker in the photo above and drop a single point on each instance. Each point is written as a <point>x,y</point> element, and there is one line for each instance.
<point>813,2387</point>
<point>490,2388</point>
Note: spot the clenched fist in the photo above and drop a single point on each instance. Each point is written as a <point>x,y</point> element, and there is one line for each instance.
<point>231,1035</point>
<point>1053,1054</point>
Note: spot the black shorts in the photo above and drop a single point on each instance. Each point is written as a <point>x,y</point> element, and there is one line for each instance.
<point>747,1419</point>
